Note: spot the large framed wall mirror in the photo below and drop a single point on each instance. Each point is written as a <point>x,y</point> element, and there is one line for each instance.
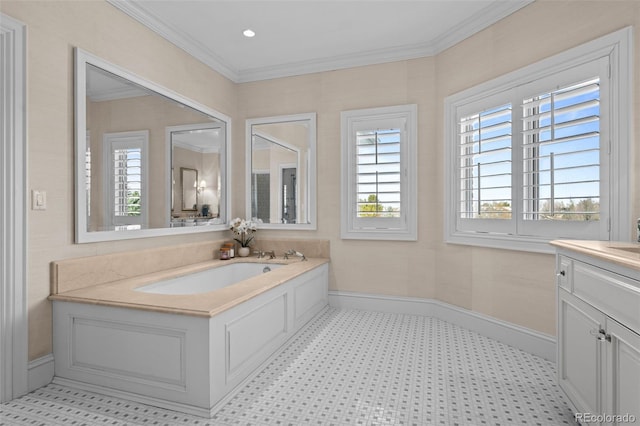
<point>149,162</point>
<point>281,171</point>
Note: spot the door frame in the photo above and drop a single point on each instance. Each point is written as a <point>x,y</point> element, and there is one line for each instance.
<point>14,351</point>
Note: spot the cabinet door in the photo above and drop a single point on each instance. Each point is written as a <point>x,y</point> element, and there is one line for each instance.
<point>624,370</point>
<point>580,354</point>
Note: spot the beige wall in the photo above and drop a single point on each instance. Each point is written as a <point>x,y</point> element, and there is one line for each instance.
<point>509,285</point>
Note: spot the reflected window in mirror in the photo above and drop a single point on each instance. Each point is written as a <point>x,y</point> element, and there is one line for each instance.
<point>281,171</point>
<point>129,190</point>
<point>126,179</point>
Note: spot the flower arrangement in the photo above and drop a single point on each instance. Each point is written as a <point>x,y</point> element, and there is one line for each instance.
<point>244,230</point>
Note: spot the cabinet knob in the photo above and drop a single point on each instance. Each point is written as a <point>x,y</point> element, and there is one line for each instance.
<point>601,335</point>
<point>561,274</point>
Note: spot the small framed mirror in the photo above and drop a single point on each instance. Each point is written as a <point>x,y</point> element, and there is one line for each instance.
<point>281,171</point>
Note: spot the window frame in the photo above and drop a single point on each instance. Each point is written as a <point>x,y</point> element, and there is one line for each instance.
<point>405,227</point>
<point>617,47</point>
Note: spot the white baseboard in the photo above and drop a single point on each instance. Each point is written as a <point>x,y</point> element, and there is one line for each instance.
<point>40,372</point>
<point>531,341</point>
<point>131,396</point>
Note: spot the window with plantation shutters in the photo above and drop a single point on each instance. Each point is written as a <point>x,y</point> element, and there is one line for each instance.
<point>564,145</point>
<point>127,178</point>
<point>378,173</point>
<point>561,153</point>
<point>378,179</point>
<point>540,154</point>
<point>485,166</point>
<point>126,193</point>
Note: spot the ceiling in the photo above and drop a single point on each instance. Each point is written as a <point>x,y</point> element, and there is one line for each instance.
<point>305,36</point>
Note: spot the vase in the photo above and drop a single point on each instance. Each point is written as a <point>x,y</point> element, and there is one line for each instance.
<point>244,251</point>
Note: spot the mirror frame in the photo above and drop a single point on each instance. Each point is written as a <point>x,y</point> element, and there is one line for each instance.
<point>84,58</point>
<point>311,198</point>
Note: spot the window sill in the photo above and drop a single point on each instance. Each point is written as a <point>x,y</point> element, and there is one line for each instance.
<point>502,241</point>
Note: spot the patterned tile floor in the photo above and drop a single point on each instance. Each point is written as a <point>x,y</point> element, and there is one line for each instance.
<point>350,367</point>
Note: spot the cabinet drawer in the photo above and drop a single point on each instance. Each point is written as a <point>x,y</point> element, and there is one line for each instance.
<point>614,294</point>
<point>564,270</point>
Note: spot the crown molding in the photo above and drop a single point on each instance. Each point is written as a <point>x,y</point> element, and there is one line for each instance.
<point>371,57</point>
<point>498,10</point>
<point>183,41</point>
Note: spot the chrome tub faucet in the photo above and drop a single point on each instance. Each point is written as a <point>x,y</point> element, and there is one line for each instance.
<point>293,252</point>
<point>260,254</point>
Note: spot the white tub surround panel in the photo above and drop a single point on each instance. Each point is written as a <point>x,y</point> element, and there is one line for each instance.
<point>184,352</point>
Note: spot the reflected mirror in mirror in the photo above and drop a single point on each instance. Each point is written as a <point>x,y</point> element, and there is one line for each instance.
<point>281,180</point>
<point>196,149</point>
<point>132,139</point>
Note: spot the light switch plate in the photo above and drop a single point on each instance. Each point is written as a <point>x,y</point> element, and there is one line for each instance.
<point>38,199</point>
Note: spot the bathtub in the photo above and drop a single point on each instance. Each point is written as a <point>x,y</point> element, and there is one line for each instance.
<point>210,279</point>
<point>183,341</point>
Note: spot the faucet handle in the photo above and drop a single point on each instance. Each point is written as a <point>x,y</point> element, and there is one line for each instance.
<point>294,252</point>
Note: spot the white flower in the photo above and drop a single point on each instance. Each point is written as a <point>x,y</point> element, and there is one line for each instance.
<point>244,229</point>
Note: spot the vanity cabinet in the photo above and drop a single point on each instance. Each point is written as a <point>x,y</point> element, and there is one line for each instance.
<point>598,338</point>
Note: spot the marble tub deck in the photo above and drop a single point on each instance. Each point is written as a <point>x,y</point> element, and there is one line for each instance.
<point>122,293</point>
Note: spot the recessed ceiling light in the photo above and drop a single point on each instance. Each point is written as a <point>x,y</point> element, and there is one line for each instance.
<point>248,33</point>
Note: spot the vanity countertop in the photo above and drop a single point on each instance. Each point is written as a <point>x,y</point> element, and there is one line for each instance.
<point>622,253</point>
<point>122,293</point>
